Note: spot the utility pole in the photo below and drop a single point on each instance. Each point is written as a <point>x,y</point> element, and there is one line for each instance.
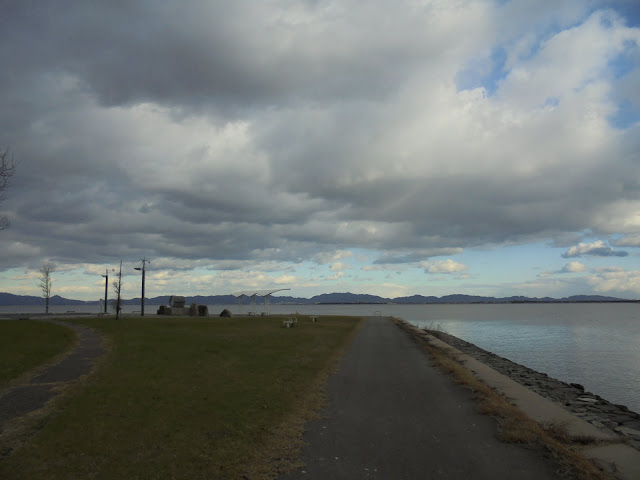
<point>106,289</point>
<point>144,262</point>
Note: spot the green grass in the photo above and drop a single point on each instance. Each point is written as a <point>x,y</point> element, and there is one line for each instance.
<point>185,398</point>
<point>25,344</point>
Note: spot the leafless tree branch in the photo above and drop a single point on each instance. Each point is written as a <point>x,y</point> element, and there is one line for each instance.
<point>7,168</point>
<point>46,271</point>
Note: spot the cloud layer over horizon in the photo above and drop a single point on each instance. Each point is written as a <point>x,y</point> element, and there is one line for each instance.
<point>246,140</point>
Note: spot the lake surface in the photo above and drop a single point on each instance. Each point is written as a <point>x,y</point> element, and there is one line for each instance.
<point>594,344</point>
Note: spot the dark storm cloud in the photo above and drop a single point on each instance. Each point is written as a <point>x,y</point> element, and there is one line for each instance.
<point>200,53</point>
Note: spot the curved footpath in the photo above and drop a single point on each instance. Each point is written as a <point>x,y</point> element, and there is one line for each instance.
<point>18,401</point>
<point>392,414</point>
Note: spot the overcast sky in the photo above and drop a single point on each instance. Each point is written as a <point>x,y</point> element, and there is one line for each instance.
<point>394,148</point>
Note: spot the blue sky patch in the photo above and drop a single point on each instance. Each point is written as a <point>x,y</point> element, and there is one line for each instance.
<point>626,61</point>
<point>626,116</point>
<point>483,72</point>
<point>629,9</point>
<point>552,102</point>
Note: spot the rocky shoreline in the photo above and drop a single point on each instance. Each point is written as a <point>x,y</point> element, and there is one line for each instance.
<point>586,405</point>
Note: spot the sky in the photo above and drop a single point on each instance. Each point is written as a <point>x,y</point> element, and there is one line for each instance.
<point>426,147</point>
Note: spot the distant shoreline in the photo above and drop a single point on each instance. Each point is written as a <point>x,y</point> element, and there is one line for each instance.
<point>153,304</point>
<point>347,298</point>
<point>537,302</point>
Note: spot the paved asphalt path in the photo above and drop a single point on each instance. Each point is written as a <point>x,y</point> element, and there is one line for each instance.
<point>22,399</point>
<point>392,415</point>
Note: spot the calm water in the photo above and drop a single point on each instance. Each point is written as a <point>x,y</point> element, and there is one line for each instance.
<point>596,345</point>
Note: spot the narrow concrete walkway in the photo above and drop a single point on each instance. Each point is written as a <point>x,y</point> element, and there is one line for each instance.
<point>392,414</point>
<point>19,400</point>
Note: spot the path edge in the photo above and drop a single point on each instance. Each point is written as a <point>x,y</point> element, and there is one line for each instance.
<point>17,431</point>
<point>609,453</point>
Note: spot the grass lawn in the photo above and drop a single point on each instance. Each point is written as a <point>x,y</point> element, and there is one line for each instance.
<point>188,398</point>
<point>25,344</point>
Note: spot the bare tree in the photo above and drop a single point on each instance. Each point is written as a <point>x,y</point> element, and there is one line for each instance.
<point>46,271</point>
<point>117,286</point>
<point>7,167</point>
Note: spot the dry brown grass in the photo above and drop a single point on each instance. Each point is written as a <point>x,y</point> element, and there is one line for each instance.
<point>513,425</point>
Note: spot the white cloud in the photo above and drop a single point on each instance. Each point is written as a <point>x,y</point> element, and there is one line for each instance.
<point>616,282</point>
<point>573,267</point>
<point>627,241</point>
<point>334,256</point>
<point>415,255</point>
<point>443,266</point>
<point>568,61</point>
<point>285,280</point>
<point>339,266</point>
<point>597,249</point>
<point>337,276</point>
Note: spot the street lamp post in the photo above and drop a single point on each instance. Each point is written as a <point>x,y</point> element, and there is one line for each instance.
<point>144,262</point>
<point>106,289</point>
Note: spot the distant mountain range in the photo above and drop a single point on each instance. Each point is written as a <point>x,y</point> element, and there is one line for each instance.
<point>9,299</point>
